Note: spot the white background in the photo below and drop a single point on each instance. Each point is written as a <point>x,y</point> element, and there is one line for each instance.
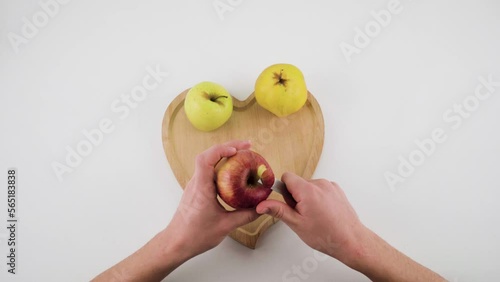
<point>395,91</point>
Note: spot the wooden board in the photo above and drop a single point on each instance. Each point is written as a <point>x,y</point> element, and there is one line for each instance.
<point>293,143</point>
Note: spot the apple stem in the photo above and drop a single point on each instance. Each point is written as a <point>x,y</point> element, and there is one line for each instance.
<point>213,99</point>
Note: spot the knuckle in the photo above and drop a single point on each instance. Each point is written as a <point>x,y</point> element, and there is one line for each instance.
<point>250,218</point>
<point>200,159</point>
<point>323,182</point>
<point>226,227</point>
<point>311,186</point>
<point>218,147</point>
<point>279,212</point>
<point>334,184</point>
<point>335,187</point>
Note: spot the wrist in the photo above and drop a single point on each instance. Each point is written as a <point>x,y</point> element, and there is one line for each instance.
<point>379,261</point>
<point>167,252</point>
<point>360,250</point>
<point>172,246</point>
<point>371,255</point>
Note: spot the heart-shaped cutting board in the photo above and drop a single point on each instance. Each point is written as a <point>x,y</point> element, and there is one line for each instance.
<point>293,143</point>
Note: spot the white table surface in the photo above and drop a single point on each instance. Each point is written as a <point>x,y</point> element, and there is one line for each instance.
<point>393,92</point>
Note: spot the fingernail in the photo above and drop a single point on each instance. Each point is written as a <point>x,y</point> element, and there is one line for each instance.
<point>265,210</point>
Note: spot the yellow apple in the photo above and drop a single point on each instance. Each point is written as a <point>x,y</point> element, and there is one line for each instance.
<point>281,89</point>
<point>208,106</point>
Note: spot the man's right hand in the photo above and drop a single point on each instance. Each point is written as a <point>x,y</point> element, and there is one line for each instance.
<point>325,220</point>
<point>323,217</point>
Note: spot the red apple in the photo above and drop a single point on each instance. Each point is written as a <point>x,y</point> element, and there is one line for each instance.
<point>244,180</point>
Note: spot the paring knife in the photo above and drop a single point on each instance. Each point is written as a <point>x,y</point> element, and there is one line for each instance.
<point>280,187</point>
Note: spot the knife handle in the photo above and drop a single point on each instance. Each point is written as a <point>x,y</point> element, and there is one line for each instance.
<point>281,188</point>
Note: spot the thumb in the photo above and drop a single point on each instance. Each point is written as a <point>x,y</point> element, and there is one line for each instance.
<point>237,218</point>
<point>278,210</point>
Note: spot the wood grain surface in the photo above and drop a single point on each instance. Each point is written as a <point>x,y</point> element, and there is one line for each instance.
<point>293,143</point>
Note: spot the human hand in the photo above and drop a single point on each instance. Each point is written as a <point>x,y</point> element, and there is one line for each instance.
<point>200,222</point>
<point>323,218</point>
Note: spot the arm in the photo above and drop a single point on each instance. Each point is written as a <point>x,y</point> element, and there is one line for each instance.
<point>381,262</point>
<point>339,233</point>
<point>154,261</point>
<point>198,225</point>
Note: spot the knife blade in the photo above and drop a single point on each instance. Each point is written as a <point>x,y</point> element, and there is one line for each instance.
<point>280,187</point>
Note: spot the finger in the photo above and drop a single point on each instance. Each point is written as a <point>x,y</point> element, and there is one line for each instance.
<point>295,184</point>
<point>289,200</point>
<point>206,161</point>
<point>209,158</point>
<point>238,218</point>
<point>239,144</point>
<point>278,210</point>
<point>212,155</point>
<point>321,182</point>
